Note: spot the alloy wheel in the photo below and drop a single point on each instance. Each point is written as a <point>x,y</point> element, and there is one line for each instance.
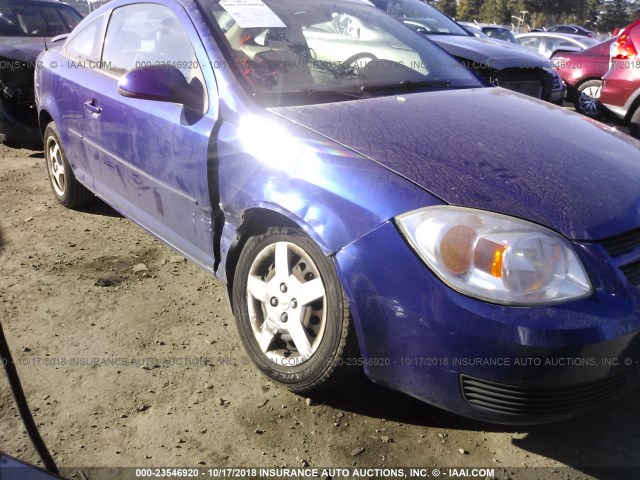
<point>56,166</point>
<point>588,100</point>
<point>287,302</point>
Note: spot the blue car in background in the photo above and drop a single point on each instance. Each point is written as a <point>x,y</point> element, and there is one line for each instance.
<point>27,27</point>
<point>370,204</point>
<point>497,62</point>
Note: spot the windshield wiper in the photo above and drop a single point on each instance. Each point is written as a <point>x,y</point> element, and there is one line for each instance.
<point>323,96</point>
<point>328,93</point>
<point>407,85</point>
<point>304,97</point>
<point>452,34</point>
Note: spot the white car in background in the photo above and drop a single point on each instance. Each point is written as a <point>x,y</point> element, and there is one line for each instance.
<point>549,43</point>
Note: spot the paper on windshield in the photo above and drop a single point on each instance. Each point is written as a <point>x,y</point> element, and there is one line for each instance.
<point>252,14</point>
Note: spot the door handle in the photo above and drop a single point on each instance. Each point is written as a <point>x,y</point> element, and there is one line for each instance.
<point>92,108</point>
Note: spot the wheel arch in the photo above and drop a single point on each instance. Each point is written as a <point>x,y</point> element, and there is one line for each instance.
<point>256,221</point>
<point>583,81</point>
<point>48,112</point>
<point>634,123</point>
<point>635,106</point>
<point>44,119</point>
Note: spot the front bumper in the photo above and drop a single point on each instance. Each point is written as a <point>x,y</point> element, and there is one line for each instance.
<point>485,361</point>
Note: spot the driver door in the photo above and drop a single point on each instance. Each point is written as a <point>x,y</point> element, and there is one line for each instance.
<point>151,158</point>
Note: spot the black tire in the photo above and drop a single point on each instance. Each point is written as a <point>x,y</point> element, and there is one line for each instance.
<point>585,104</point>
<point>634,126</point>
<point>335,358</point>
<point>67,189</point>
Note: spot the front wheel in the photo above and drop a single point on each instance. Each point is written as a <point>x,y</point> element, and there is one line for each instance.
<point>68,191</point>
<point>291,312</point>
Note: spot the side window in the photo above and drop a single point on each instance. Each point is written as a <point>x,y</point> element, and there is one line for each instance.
<point>9,25</point>
<point>554,44</point>
<point>31,21</point>
<point>145,35</point>
<point>530,42</point>
<point>83,44</point>
<point>566,43</point>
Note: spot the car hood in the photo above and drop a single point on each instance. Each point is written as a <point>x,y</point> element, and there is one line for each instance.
<point>21,49</point>
<point>495,150</point>
<point>495,53</point>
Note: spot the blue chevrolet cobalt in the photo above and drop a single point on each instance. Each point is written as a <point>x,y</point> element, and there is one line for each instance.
<point>370,204</point>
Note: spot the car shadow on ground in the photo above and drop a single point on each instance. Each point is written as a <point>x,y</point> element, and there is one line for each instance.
<point>27,143</point>
<point>364,397</point>
<point>99,208</point>
<point>96,207</point>
<point>603,443</point>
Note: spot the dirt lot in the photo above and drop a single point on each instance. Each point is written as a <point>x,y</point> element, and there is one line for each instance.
<point>73,308</point>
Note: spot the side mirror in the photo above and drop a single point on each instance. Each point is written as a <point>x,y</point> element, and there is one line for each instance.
<point>161,83</point>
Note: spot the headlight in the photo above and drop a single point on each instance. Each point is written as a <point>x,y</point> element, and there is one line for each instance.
<point>557,79</point>
<point>494,257</point>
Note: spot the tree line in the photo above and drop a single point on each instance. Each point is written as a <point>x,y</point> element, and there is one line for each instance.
<point>598,15</point>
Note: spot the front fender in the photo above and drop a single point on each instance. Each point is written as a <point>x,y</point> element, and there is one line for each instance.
<point>329,191</point>
<point>45,99</point>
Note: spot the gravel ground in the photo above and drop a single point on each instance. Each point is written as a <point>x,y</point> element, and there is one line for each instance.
<point>80,291</point>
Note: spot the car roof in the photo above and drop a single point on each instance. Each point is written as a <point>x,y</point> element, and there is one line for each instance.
<point>22,3</point>
<point>485,25</point>
<point>571,25</point>
<point>571,36</point>
<point>497,27</point>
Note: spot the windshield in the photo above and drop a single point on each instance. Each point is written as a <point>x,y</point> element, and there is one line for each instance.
<point>37,21</point>
<point>421,17</point>
<point>286,50</point>
<point>500,34</point>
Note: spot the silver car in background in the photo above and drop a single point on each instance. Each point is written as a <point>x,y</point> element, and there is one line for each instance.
<point>548,43</point>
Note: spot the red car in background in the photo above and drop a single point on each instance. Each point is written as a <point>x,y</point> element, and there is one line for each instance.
<point>582,72</point>
<point>621,85</point>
